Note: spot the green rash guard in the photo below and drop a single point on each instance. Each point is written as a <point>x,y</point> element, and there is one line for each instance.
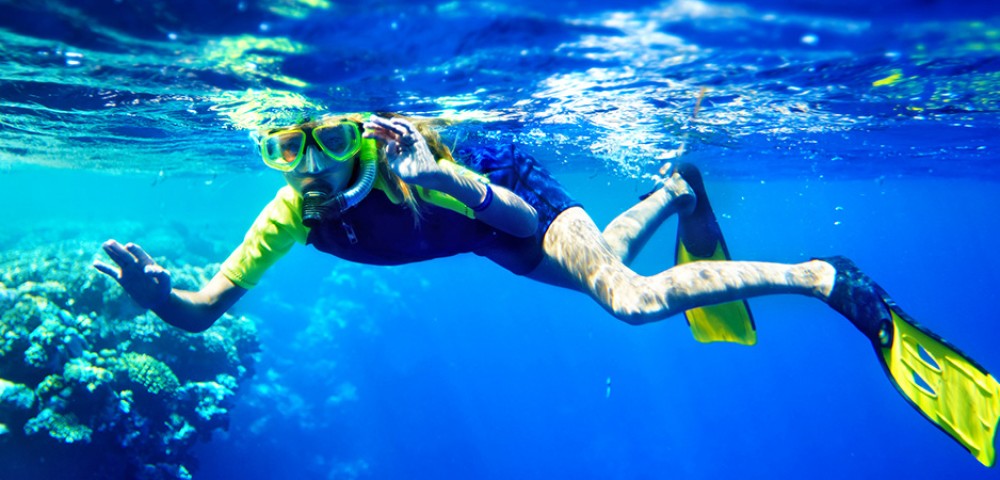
<point>276,229</point>
<point>279,226</point>
<point>379,230</point>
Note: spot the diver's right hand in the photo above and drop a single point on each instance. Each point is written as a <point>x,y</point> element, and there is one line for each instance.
<point>142,278</point>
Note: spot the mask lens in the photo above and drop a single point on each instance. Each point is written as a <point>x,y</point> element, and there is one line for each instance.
<point>340,141</point>
<point>283,150</point>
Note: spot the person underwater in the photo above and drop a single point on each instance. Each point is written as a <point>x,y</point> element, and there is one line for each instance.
<point>384,189</point>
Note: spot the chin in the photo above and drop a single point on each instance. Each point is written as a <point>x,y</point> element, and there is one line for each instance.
<point>299,181</point>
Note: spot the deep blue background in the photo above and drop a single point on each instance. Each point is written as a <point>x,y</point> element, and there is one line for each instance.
<point>492,376</point>
<point>481,374</point>
<point>461,370</point>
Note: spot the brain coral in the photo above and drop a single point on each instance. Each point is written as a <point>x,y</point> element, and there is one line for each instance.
<point>147,373</point>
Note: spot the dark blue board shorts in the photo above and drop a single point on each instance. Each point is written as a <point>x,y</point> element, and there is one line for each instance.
<point>519,172</point>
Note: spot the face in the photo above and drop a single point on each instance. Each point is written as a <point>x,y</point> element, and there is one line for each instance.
<point>326,150</point>
<point>315,166</point>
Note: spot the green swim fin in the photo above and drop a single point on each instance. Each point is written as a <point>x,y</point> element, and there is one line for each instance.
<point>699,238</point>
<point>942,383</point>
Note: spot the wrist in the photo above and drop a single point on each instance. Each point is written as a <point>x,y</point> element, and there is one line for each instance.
<point>487,200</point>
<point>160,302</point>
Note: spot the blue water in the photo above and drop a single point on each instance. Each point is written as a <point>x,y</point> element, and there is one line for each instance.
<point>868,130</point>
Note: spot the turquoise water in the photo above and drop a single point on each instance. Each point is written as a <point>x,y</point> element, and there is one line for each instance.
<point>855,130</point>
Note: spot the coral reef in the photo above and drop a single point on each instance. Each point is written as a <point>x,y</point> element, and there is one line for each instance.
<point>91,386</point>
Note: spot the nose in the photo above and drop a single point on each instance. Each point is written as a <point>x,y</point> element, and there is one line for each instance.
<point>311,162</point>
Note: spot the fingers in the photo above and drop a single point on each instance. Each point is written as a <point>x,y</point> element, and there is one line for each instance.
<point>108,270</point>
<point>130,258</point>
<point>140,254</point>
<point>383,134</point>
<point>389,130</point>
<point>158,273</point>
<point>379,128</point>
<point>410,135</point>
<point>380,124</point>
<point>127,256</point>
<point>118,253</point>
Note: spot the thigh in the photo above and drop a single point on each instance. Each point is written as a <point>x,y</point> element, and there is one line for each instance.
<point>573,250</point>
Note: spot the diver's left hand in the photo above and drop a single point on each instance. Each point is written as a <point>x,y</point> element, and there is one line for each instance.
<point>142,278</point>
<point>406,149</point>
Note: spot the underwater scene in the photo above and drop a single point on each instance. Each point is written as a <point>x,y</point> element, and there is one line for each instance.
<point>864,129</point>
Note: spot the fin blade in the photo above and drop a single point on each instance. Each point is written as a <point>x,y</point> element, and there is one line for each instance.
<point>948,388</point>
<point>699,238</point>
<point>724,322</point>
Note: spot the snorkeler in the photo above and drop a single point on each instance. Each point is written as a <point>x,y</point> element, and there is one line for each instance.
<point>384,190</point>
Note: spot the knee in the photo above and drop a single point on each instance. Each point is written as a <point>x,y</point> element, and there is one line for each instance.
<point>637,309</point>
<point>632,318</point>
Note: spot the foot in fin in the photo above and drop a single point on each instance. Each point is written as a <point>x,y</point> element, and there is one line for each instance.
<point>858,298</point>
<point>946,386</point>
<point>699,238</point>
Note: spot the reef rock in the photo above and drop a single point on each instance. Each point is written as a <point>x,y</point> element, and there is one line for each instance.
<point>92,386</point>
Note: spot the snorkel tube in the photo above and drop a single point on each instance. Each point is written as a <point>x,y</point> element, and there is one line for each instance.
<point>366,179</point>
<point>316,200</point>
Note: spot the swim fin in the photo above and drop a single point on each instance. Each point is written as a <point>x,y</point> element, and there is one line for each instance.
<point>946,386</point>
<point>699,238</point>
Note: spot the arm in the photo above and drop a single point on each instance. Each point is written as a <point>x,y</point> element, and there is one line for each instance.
<point>411,159</point>
<point>148,284</point>
<point>276,229</point>
<point>505,211</point>
<point>196,311</point>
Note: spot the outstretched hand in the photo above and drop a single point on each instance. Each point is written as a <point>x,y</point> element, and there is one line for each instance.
<point>142,278</point>
<point>406,150</point>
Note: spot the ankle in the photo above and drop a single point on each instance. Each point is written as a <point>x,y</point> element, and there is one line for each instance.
<point>818,276</point>
<point>680,194</point>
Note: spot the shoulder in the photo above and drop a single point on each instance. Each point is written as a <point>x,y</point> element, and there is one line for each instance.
<point>285,203</point>
<point>284,213</point>
<point>287,194</point>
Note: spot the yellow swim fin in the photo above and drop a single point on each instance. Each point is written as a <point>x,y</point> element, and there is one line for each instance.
<point>949,388</point>
<point>699,238</point>
<point>942,383</point>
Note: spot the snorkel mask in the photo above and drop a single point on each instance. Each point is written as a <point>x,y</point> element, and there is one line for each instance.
<point>340,141</point>
<point>284,149</point>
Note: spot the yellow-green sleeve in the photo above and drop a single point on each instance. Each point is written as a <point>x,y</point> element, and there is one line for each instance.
<point>276,229</point>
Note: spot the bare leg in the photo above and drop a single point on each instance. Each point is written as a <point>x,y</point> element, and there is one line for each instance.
<point>629,232</point>
<point>577,256</point>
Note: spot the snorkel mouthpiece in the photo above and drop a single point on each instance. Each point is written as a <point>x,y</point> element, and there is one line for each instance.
<point>314,200</point>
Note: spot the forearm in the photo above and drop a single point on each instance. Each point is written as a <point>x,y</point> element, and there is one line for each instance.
<point>506,211</point>
<point>197,311</point>
<point>188,311</point>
